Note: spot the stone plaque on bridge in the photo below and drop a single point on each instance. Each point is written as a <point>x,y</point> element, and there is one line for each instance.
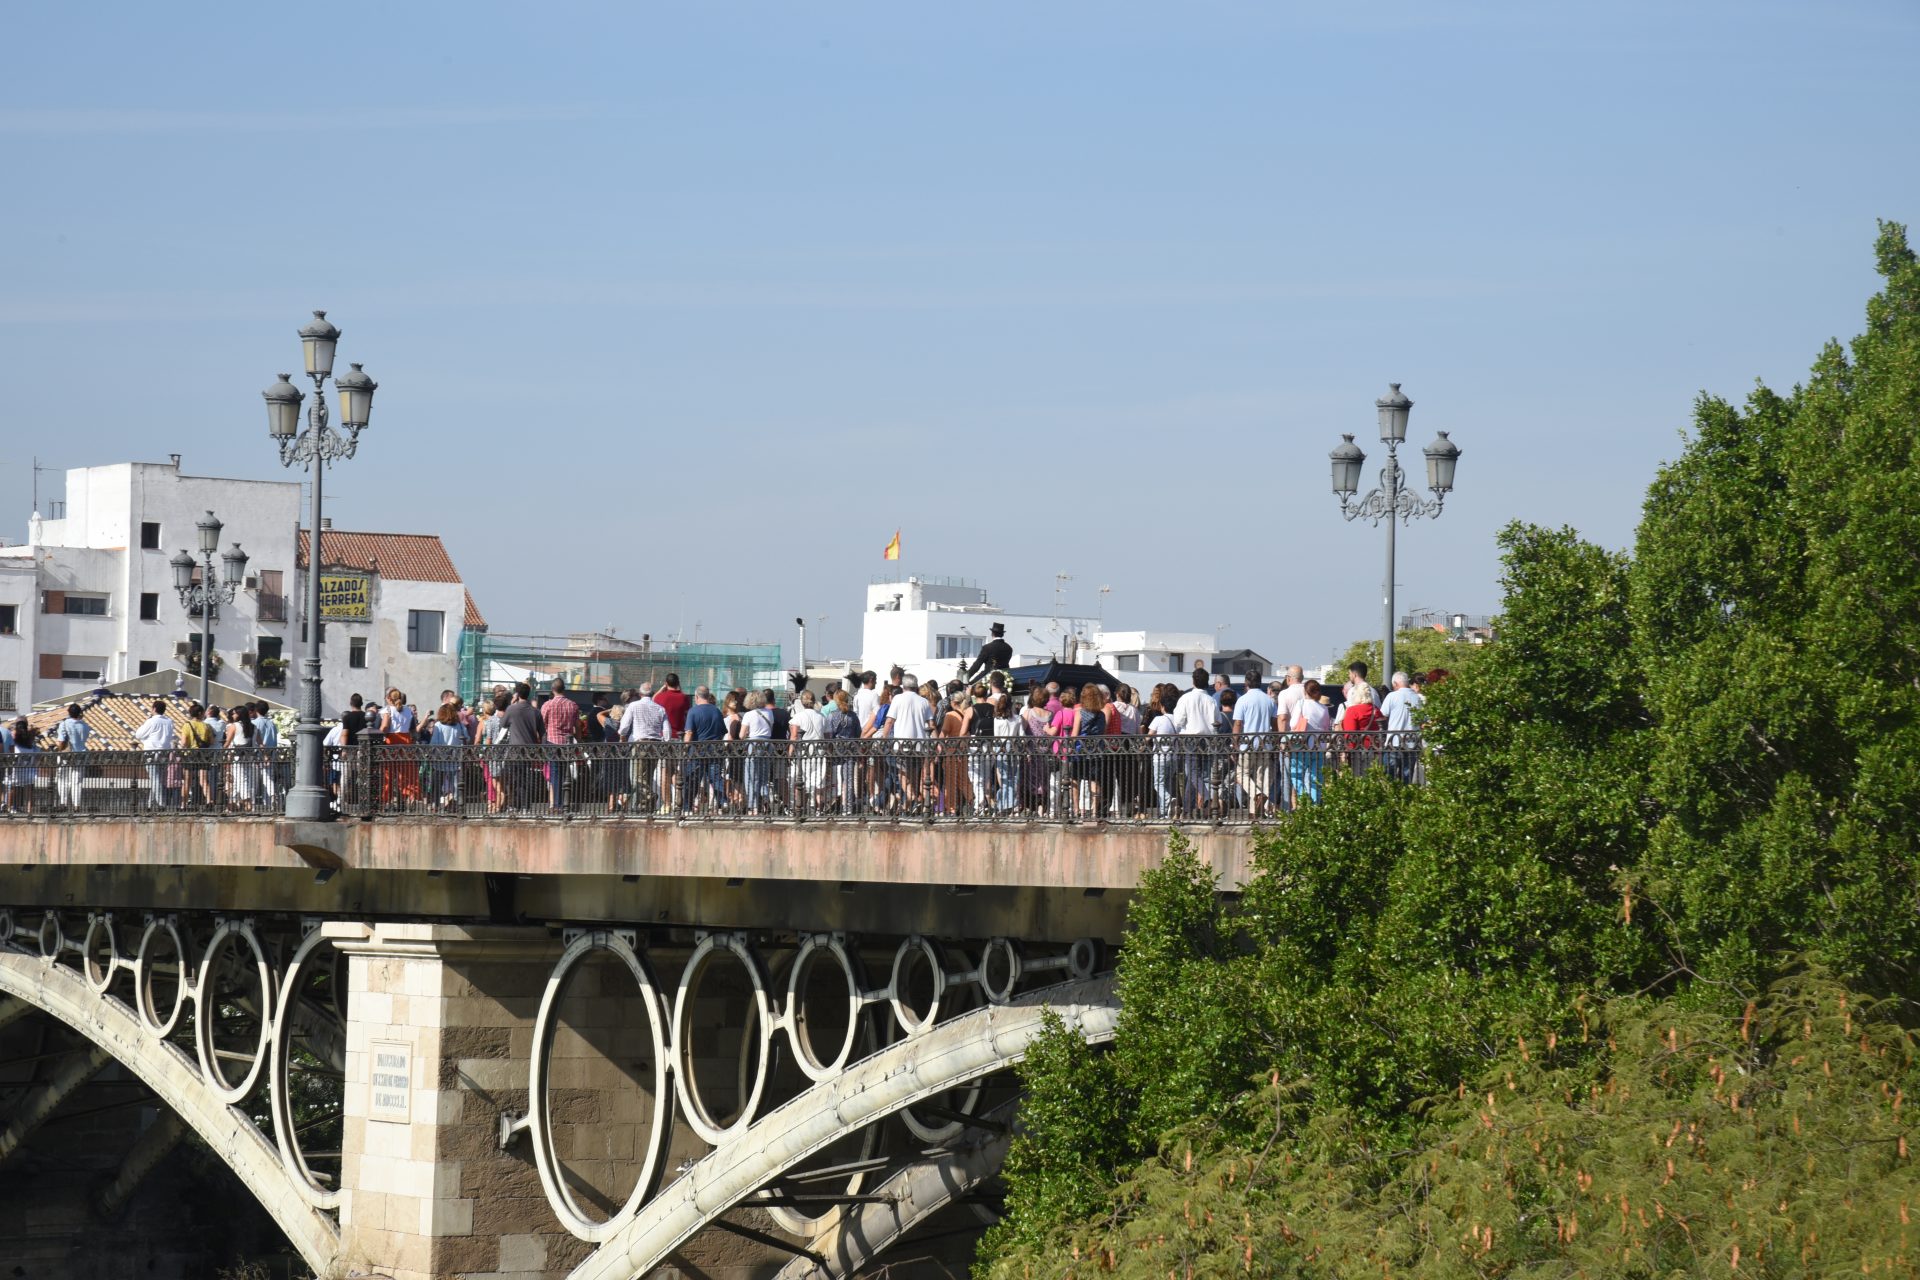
<point>389,1091</point>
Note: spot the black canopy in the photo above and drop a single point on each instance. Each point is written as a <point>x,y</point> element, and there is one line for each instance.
<point>1069,675</point>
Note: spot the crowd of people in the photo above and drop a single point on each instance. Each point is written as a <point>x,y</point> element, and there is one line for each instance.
<point>934,750</point>
<point>1088,753</point>
<point>183,771</point>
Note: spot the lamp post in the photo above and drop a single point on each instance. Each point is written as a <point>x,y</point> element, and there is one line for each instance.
<point>210,592</point>
<point>313,449</point>
<point>1392,501</point>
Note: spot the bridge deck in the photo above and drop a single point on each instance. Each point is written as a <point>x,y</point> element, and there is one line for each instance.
<point>1038,880</point>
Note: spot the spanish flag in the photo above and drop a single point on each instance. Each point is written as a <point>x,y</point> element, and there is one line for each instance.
<point>893,548</point>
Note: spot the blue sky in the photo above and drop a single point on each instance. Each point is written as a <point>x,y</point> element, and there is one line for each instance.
<point>678,311</point>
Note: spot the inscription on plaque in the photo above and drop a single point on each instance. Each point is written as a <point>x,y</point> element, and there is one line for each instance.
<point>390,1087</point>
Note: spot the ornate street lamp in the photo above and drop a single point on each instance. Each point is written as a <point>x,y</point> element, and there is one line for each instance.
<point>313,449</point>
<point>1392,502</point>
<point>208,594</point>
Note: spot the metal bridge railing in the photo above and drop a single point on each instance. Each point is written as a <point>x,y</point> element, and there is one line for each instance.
<point>1119,778</point>
<point>244,780</point>
<point>1207,778</point>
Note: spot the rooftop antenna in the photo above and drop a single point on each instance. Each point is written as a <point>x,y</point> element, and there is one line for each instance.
<point>1060,581</point>
<point>1101,617</point>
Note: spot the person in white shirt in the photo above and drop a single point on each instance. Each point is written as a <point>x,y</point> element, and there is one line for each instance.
<point>866,700</point>
<point>1286,710</point>
<point>1402,708</point>
<point>156,735</point>
<point>1194,714</point>
<point>808,725</point>
<point>756,729</point>
<point>1312,719</point>
<point>910,718</point>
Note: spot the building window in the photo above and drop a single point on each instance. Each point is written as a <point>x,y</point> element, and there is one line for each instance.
<point>9,619</point>
<point>423,630</point>
<point>1176,662</point>
<point>956,646</point>
<point>147,667</point>
<point>357,653</point>
<point>1129,662</point>
<point>269,668</point>
<point>149,535</point>
<point>8,697</point>
<point>84,606</point>
<point>303,633</point>
<point>272,603</point>
<point>149,606</point>
<point>81,669</point>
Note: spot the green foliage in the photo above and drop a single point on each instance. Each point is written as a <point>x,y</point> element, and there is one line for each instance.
<point>1777,617</point>
<point>1654,1138</point>
<point>1686,772</point>
<point>1412,651</point>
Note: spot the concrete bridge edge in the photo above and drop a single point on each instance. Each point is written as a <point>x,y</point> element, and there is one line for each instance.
<point>175,1079</point>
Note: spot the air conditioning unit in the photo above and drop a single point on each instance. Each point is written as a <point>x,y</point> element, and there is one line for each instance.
<point>246,659</point>
<point>253,582</point>
<point>181,649</point>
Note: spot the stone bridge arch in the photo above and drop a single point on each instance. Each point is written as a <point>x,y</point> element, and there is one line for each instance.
<point>177,1081</point>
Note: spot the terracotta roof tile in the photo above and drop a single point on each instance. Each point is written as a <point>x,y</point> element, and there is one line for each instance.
<point>112,718</point>
<point>405,557</point>
<point>473,613</point>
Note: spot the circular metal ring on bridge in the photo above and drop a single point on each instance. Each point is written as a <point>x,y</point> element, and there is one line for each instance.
<point>53,937</point>
<point>816,949</point>
<point>546,1160</point>
<point>1083,958</point>
<point>99,974</point>
<point>758,1038</point>
<point>145,961</point>
<point>969,1100</point>
<point>279,1085</point>
<point>231,933</point>
<point>896,988</point>
<point>1009,961</point>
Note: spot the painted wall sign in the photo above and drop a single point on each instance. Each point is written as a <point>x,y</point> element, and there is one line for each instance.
<point>390,1083</point>
<point>345,595</point>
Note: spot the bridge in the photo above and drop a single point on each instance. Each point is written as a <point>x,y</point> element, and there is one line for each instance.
<point>644,1034</point>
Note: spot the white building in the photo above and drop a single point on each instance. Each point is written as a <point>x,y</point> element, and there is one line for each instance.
<point>392,611</point>
<point>1165,653</point>
<point>931,625</point>
<point>18,613</point>
<point>92,595</point>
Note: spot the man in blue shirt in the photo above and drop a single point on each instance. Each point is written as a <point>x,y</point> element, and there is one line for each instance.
<point>705,767</point>
<point>266,734</point>
<point>1253,715</point>
<point>1402,708</point>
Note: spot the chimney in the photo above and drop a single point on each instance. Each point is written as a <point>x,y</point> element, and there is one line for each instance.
<point>326,522</point>
<point>175,459</point>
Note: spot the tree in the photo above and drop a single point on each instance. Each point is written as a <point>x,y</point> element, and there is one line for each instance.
<point>1691,772</point>
<point>1640,1137</point>
<point>1413,651</point>
<point>1776,594</point>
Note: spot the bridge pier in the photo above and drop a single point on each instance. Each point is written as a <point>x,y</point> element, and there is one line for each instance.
<point>439,1028</point>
